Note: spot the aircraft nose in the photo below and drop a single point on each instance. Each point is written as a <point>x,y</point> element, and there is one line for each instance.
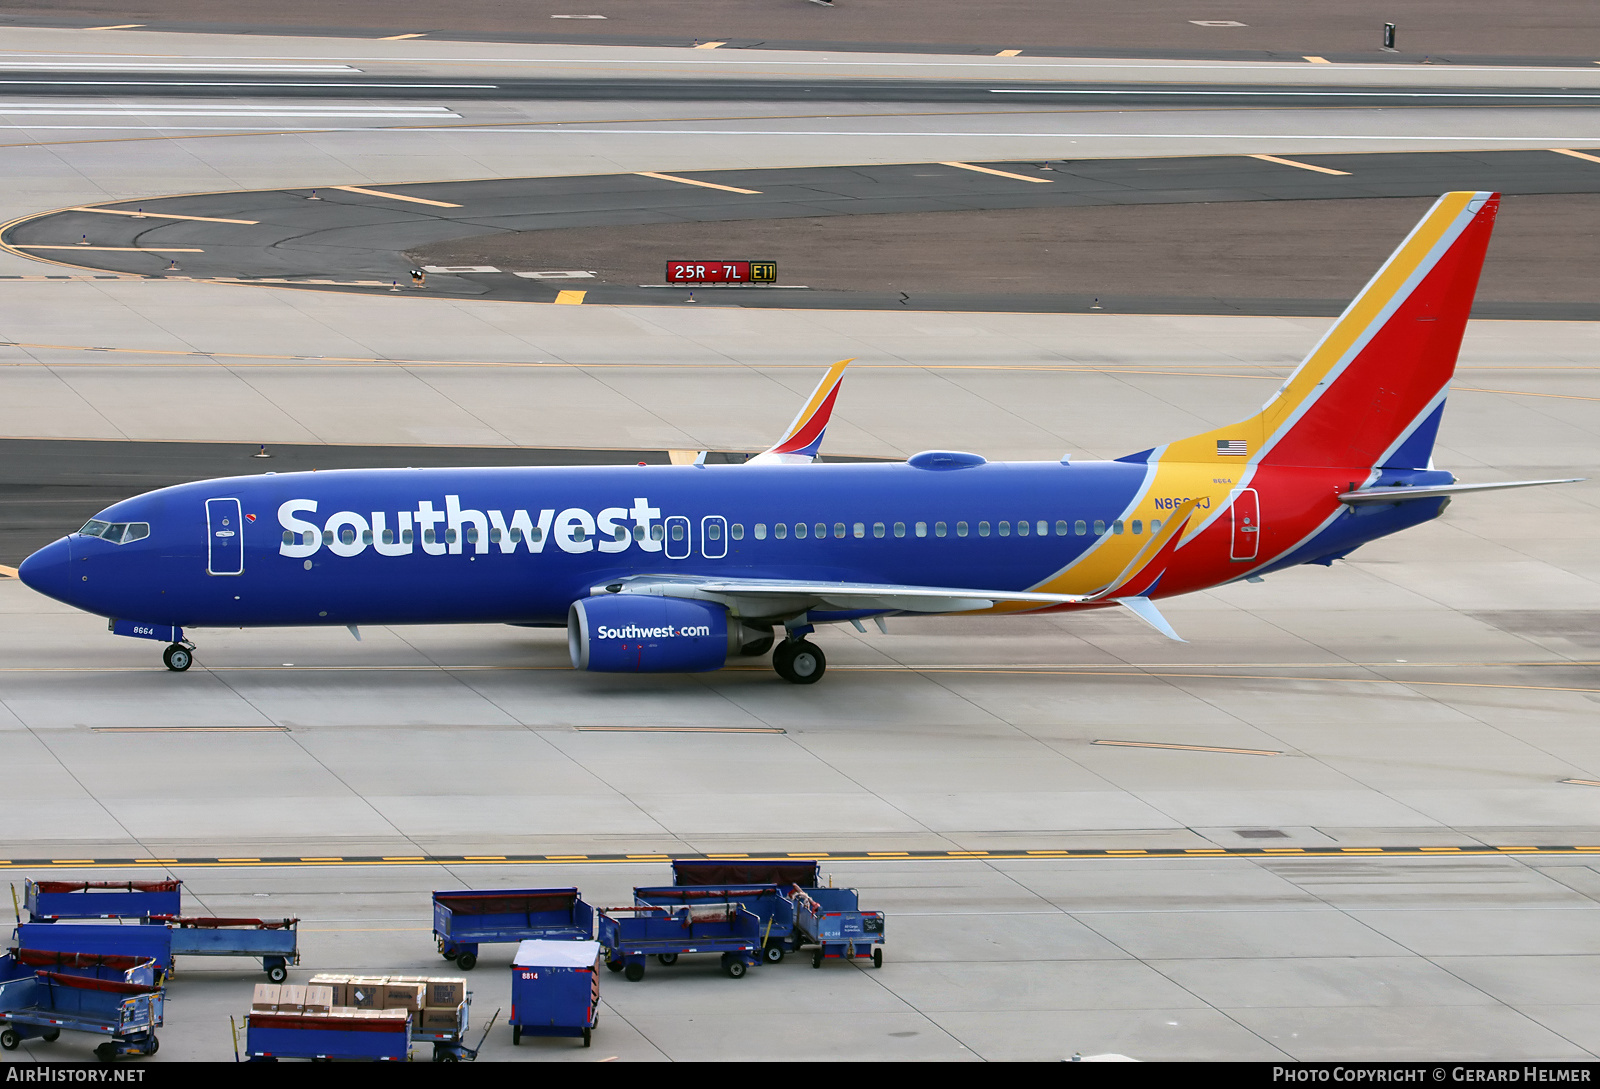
<point>49,570</point>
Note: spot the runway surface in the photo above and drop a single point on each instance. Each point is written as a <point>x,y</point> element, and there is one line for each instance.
<point>1435,691</point>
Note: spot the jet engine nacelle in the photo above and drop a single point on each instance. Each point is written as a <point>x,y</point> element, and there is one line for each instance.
<point>641,633</point>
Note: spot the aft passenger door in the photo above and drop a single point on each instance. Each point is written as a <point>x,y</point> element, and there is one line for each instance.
<point>224,537</point>
<point>1246,525</point>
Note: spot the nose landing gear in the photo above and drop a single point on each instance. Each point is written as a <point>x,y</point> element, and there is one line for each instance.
<point>799,661</point>
<point>178,657</point>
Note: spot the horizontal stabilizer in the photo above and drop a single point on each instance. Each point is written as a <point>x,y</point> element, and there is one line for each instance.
<point>1441,491</point>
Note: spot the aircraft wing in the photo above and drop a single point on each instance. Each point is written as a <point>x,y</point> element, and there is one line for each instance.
<point>766,598</point>
<point>801,442</point>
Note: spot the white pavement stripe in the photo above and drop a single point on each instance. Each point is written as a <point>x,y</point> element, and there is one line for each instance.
<point>1299,92</point>
<point>111,64</point>
<point>228,111</point>
<point>241,83</point>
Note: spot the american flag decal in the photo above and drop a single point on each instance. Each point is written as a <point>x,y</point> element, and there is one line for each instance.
<point>1235,448</point>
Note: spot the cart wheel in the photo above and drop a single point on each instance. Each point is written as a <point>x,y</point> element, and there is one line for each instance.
<point>466,961</point>
<point>446,1055</point>
<point>9,1039</point>
<point>668,959</point>
<point>877,957</point>
<point>735,968</point>
<point>773,953</point>
<point>516,1034</point>
<point>816,959</point>
<point>153,1046</point>
<point>585,1037</point>
<point>106,1052</point>
<point>277,973</point>
<point>447,956</point>
<point>614,965</point>
<point>634,972</point>
<point>52,1036</point>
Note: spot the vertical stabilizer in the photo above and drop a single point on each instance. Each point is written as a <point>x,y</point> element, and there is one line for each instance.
<point>1371,392</point>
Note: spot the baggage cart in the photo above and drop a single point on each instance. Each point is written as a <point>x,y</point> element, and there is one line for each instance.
<point>832,920</point>
<point>114,997</point>
<point>464,920</point>
<point>667,934</point>
<point>772,909</point>
<point>555,989</point>
<point>324,1037</point>
<point>449,1044</point>
<point>147,941</point>
<point>783,872</point>
<point>50,900</point>
<point>275,942</point>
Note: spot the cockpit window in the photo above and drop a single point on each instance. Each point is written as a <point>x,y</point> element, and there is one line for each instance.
<point>115,532</point>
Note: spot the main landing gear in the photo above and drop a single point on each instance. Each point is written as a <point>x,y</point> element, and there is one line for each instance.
<point>178,657</point>
<point>799,662</point>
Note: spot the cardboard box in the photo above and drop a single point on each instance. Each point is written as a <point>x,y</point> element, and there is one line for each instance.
<point>446,992</point>
<point>403,996</point>
<point>339,982</point>
<point>291,998</point>
<point>265,999</point>
<point>366,992</point>
<point>319,998</point>
<point>437,1019</point>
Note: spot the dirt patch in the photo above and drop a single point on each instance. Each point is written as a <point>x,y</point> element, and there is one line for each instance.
<point>1542,249</point>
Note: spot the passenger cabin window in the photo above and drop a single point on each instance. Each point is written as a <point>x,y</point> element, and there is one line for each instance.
<point>1044,527</point>
<point>838,529</point>
<point>922,529</point>
<point>677,532</point>
<point>939,529</point>
<point>1099,527</point>
<point>713,531</point>
<point>1061,527</point>
<point>800,531</point>
<point>983,529</point>
<point>961,529</point>
<point>656,534</point>
<point>1080,527</point>
<point>761,531</point>
<point>860,530</point>
<point>780,530</point>
<point>821,529</point>
<point>1004,528</point>
<point>1116,527</point>
<point>1022,529</point>
<point>900,529</point>
<point>878,530</point>
<point>736,531</point>
<point>1155,525</point>
<point>1136,525</point>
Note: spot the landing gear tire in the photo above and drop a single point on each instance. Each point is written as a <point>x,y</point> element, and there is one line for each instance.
<point>799,662</point>
<point>177,657</point>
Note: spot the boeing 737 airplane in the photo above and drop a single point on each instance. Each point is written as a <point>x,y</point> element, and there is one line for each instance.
<point>675,568</point>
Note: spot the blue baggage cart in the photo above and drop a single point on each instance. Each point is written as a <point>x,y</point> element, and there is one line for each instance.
<point>782,872</point>
<point>42,994</point>
<point>466,919</point>
<point>772,909</point>
<point>666,934</point>
<point>275,942</point>
<point>555,989</point>
<point>832,920</point>
<point>147,941</point>
<point>449,1044</point>
<point>50,900</point>
<point>323,1037</point>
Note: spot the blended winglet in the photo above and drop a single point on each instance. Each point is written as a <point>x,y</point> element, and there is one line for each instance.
<point>801,442</point>
<point>1139,578</point>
